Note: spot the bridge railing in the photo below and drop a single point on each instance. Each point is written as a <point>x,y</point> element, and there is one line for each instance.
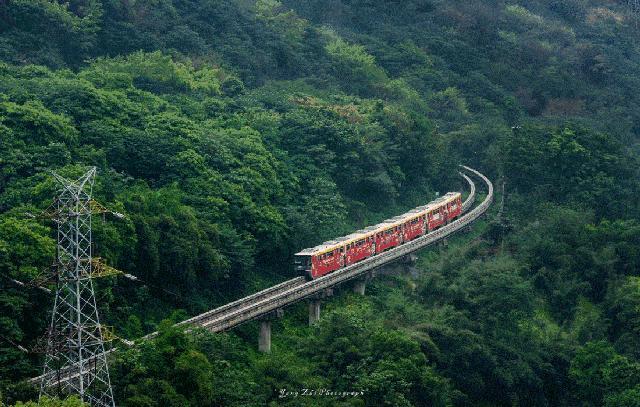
<point>471,199</point>
<point>310,288</point>
<point>291,291</point>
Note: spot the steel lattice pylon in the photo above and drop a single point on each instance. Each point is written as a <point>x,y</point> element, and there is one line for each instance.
<point>75,346</point>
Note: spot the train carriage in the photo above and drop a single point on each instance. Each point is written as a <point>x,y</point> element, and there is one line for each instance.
<point>320,260</point>
<point>443,210</point>
<point>388,235</point>
<point>436,216</point>
<point>454,205</point>
<point>359,246</point>
<point>415,225</point>
<point>335,254</point>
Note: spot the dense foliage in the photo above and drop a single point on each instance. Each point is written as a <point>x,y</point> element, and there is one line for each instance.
<point>233,133</point>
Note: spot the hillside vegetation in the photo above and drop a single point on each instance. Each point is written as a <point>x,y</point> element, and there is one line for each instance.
<point>234,133</point>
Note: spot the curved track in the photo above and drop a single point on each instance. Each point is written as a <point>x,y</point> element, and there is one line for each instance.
<point>251,310</point>
<point>296,289</point>
<point>211,318</point>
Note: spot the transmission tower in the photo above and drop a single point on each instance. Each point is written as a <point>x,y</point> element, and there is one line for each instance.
<point>75,361</point>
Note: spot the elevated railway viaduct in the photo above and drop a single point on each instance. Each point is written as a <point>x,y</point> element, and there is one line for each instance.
<point>265,304</point>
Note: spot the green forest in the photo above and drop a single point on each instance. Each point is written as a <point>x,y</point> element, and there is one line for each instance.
<point>234,133</point>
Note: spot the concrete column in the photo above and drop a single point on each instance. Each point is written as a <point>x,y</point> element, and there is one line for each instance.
<point>360,286</point>
<point>264,338</point>
<point>443,244</point>
<point>314,311</point>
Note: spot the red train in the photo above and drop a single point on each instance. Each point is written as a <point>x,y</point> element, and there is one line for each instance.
<point>335,254</point>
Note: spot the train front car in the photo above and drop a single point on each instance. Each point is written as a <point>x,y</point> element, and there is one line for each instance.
<point>302,264</point>
<point>320,260</point>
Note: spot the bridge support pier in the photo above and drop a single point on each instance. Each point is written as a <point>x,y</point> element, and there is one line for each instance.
<point>314,304</point>
<point>443,244</point>
<point>360,286</point>
<point>264,338</point>
<point>314,311</point>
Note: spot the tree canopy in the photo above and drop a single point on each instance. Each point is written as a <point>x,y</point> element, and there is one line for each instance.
<point>234,133</point>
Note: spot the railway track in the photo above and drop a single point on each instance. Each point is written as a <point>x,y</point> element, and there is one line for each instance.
<point>291,291</point>
<point>242,302</point>
<point>471,199</point>
<point>252,310</point>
